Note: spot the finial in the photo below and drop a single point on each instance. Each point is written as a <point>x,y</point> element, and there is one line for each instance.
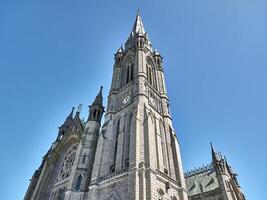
<point>138,11</point>
<point>101,88</point>
<point>214,156</point>
<point>79,108</point>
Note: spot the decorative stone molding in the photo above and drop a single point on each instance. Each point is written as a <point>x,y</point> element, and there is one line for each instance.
<point>198,170</point>
<point>168,178</point>
<point>118,173</point>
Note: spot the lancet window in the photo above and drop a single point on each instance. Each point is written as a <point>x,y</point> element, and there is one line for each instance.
<point>127,73</point>
<point>151,73</point>
<point>78,183</point>
<point>112,169</point>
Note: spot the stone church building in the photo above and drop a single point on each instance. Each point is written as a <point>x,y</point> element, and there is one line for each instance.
<point>135,153</point>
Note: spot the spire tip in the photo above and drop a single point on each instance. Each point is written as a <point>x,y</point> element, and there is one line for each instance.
<point>211,146</point>
<point>138,25</point>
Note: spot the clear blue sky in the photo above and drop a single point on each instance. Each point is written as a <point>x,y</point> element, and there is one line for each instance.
<point>56,54</point>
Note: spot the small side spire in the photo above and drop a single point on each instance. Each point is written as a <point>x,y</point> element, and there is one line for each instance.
<point>66,125</point>
<point>212,150</point>
<point>71,113</point>
<point>97,109</point>
<point>120,50</point>
<point>214,154</point>
<point>99,98</point>
<point>229,168</point>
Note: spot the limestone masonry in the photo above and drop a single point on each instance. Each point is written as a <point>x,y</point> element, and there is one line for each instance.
<point>135,153</point>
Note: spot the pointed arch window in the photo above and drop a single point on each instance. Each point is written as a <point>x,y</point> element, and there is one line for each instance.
<point>149,74</point>
<point>78,183</point>
<point>152,74</point>
<point>116,144</point>
<point>129,72</point>
<point>126,141</point>
<point>94,115</point>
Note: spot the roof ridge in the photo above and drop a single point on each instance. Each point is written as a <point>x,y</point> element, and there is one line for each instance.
<point>198,170</point>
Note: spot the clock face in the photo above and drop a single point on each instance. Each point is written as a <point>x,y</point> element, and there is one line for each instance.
<point>126,100</point>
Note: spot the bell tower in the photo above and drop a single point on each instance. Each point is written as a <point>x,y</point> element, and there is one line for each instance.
<point>138,155</point>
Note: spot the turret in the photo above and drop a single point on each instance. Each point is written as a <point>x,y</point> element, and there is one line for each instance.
<point>96,110</point>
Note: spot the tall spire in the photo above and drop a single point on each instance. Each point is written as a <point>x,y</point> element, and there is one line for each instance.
<point>138,27</point>
<point>138,36</point>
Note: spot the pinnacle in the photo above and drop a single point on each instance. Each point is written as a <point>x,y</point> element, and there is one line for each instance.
<point>71,113</point>
<point>69,118</point>
<point>120,50</point>
<point>214,154</point>
<point>99,99</point>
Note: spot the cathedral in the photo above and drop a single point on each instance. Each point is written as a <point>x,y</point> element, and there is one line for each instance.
<point>134,154</point>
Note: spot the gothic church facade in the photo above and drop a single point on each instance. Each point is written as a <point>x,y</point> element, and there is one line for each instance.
<point>135,153</point>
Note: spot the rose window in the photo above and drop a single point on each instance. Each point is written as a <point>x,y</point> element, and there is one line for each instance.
<point>67,163</point>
